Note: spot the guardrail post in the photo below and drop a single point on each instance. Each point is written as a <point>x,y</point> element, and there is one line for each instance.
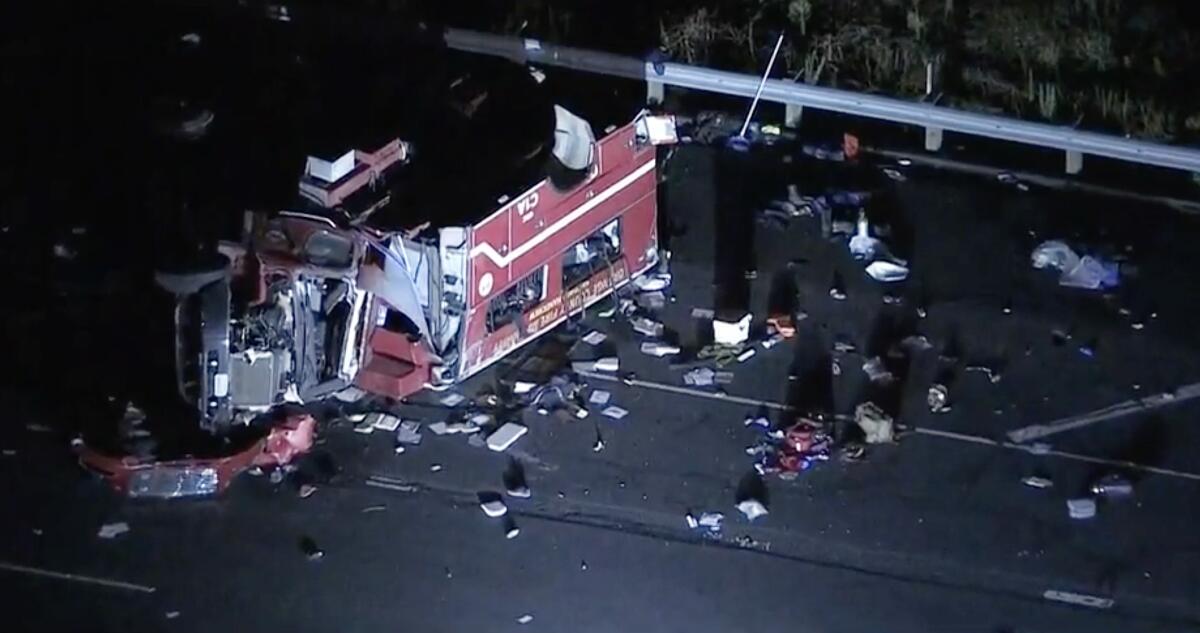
<point>933,139</point>
<point>655,92</point>
<point>792,113</point>
<point>1074,162</point>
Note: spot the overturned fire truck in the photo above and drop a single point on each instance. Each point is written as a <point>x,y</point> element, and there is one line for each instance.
<point>317,300</point>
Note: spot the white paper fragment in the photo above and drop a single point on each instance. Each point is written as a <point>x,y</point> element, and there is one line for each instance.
<point>600,397</point>
<point>615,412</point>
<point>521,387</point>
<point>752,508</point>
<point>503,437</point>
<point>595,337</point>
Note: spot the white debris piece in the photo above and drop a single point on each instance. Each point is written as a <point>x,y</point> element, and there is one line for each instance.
<point>615,412</point>
<point>710,520</point>
<point>503,437</point>
<point>1037,482</point>
<point>652,283</point>
<point>752,508</point>
<point>732,333</point>
<point>512,533</point>
<point>113,530</point>
<point>521,387</point>
<point>525,619</point>
<point>875,424</point>
<point>439,428</point>
<point>700,377</point>
<point>409,432</point>
<point>887,271</point>
<point>599,396</point>
<point>367,425</point>
<point>1083,508</point>
<point>746,355</point>
<point>877,372</point>
<point>387,422</point>
<point>595,337</point>
<point>654,348</point>
<point>646,326</point>
<point>452,399</point>
<point>494,508</point>
<point>608,363</point>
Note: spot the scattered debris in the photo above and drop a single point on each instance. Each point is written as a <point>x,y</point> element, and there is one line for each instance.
<point>598,445</point>
<point>379,507</point>
<point>409,433</point>
<point>452,399</point>
<point>877,372</point>
<point>615,412</point>
<point>652,282</point>
<point>439,428</point>
<point>887,271</point>
<point>1086,272</point>
<point>707,521</point>
<point>732,332</point>
<point>1083,508</point>
<point>307,490</point>
<point>876,424</point>
<point>894,174</point>
<point>993,375</point>
<point>595,337</point>
<point>366,426</point>
<point>938,398</point>
<point>113,530</point>
<point>702,313</point>
<point>171,615</point>
<point>494,508</point>
<point>1112,486</point>
<point>503,437</point>
<point>915,343</point>
<point>655,348</point>
<point>651,300</point>
<point>647,326</point>
<point>435,468</point>
<point>386,422</point>
<point>525,619</point>
<point>700,377</point>
<point>600,397</point>
<point>1037,482</point>
<point>390,483</point>
<point>752,508</point>
<point>608,363</point>
<point>521,387</point>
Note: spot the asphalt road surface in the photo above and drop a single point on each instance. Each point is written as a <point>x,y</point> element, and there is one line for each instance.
<point>934,533</point>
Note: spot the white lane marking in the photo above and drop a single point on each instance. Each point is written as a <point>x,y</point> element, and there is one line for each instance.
<point>1121,409</point>
<point>1080,599</point>
<point>504,260</point>
<point>919,430</point>
<point>58,575</point>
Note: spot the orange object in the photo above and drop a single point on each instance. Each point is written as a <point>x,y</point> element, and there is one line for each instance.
<point>782,324</point>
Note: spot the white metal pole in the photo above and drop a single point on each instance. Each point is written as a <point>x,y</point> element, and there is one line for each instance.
<point>761,84</point>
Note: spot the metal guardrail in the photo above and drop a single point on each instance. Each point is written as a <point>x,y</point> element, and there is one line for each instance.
<point>933,118</point>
